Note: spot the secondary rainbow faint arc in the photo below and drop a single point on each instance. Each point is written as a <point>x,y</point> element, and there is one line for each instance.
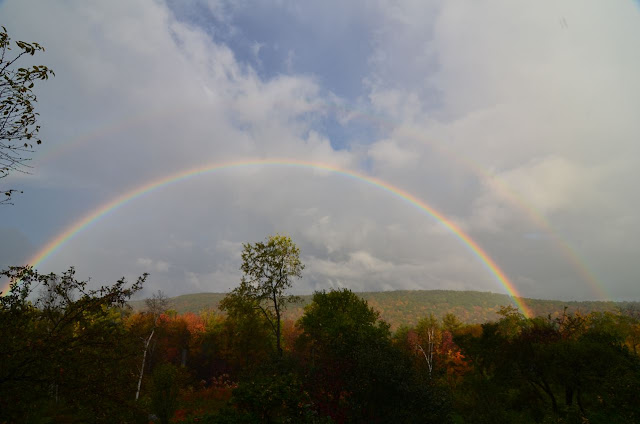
<point>496,184</point>
<point>104,209</point>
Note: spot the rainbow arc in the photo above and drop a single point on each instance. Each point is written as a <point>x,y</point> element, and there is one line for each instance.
<point>57,242</point>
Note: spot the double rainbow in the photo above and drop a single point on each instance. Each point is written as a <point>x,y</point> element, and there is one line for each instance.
<point>496,184</point>
<point>149,187</point>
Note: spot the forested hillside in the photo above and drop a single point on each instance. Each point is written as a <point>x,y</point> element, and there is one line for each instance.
<point>71,354</point>
<point>407,307</point>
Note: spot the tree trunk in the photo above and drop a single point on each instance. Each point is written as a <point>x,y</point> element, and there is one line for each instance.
<point>553,398</point>
<point>278,333</point>
<point>144,358</point>
<point>568,395</point>
<point>580,402</point>
<point>545,388</point>
<point>277,310</point>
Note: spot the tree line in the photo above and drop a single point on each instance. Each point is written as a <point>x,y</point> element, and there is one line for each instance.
<point>75,354</point>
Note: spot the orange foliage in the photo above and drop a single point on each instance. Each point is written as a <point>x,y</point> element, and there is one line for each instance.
<point>290,333</point>
<point>453,359</point>
<point>195,324</point>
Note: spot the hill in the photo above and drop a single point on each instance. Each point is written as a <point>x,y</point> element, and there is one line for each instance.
<point>409,306</point>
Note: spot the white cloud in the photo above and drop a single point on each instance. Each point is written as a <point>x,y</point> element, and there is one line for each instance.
<point>468,107</point>
<point>530,117</point>
<point>388,153</point>
<point>151,265</point>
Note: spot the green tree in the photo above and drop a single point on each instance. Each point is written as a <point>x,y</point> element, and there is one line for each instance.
<point>164,396</point>
<point>274,395</point>
<point>574,368</point>
<point>65,349</point>
<point>247,338</point>
<point>451,323</point>
<point>269,268</point>
<point>18,128</point>
<point>355,373</point>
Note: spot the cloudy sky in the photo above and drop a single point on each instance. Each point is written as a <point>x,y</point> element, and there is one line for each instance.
<point>518,121</point>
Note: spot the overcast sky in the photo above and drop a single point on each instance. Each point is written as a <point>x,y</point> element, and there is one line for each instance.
<point>519,121</point>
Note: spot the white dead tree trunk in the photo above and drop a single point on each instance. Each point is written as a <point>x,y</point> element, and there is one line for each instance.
<point>144,358</point>
<point>156,305</point>
<point>428,356</point>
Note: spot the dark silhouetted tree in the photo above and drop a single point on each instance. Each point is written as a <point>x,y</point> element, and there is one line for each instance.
<point>65,348</point>
<point>355,373</point>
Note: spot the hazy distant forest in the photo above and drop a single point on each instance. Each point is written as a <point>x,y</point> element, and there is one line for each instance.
<point>71,353</point>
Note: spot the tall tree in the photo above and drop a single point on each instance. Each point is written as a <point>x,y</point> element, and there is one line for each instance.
<point>269,268</point>
<point>18,128</point>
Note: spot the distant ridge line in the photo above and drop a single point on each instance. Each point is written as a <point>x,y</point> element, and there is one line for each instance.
<point>407,307</point>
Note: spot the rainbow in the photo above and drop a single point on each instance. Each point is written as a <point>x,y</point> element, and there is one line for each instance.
<point>498,186</point>
<point>119,125</point>
<point>494,182</point>
<point>127,197</point>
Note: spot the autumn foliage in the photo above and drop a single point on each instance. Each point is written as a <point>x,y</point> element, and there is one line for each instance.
<point>74,355</point>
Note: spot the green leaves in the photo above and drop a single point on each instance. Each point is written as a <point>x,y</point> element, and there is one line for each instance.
<point>164,396</point>
<point>355,373</point>
<point>65,346</point>
<point>17,115</point>
<point>558,368</point>
<point>269,268</point>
